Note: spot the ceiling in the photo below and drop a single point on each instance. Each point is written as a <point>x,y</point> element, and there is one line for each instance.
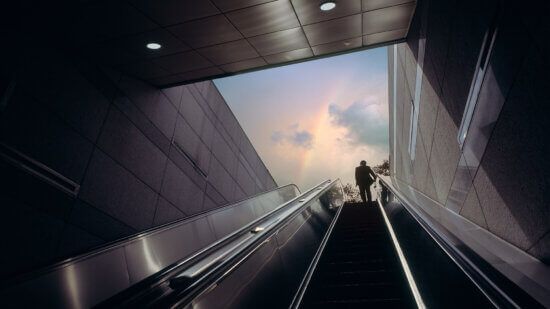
<point>210,38</point>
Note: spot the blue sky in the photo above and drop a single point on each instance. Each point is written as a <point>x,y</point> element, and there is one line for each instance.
<point>315,120</point>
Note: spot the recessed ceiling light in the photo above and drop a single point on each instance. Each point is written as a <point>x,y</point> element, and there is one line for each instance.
<point>327,6</point>
<point>153,45</point>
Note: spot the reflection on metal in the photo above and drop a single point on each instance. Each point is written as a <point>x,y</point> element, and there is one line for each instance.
<point>256,230</point>
<point>38,170</point>
<point>403,260</point>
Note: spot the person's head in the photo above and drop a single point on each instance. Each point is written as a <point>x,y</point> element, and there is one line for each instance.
<point>363,163</point>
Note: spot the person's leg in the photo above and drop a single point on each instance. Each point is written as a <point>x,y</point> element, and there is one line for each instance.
<point>362,193</point>
<point>368,193</point>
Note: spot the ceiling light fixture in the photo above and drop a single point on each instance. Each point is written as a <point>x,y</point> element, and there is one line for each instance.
<point>327,6</point>
<point>153,45</point>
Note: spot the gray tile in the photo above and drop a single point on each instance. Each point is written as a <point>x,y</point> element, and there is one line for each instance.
<point>243,65</point>
<point>460,187</point>
<point>34,237</point>
<point>114,190</point>
<point>244,180</point>
<point>75,241</point>
<point>191,111</point>
<point>130,148</point>
<point>166,212</point>
<point>208,204</point>
<point>541,249</point>
<point>472,210</point>
<point>143,123</point>
<point>222,151</point>
<point>230,5</point>
<point>174,95</point>
<point>181,62</point>
<point>186,165</point>
<point>97,222</point>
<point>214,196</point>
<point>44,137</point>
<point>386,36</point>
<point>82,106</point>
<point>178,189</point>
<point>445,154</point>
<point>190,143</point>
<point>429,105</point>
<point>221,180</point>
<point>369,5</point>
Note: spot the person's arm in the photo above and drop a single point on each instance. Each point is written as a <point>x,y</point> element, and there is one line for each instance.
<point>356,176</point>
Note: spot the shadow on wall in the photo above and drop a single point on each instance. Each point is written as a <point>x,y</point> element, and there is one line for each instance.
<point>501,181</point>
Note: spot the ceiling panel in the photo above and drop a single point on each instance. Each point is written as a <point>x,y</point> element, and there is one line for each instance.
<point>391,18</point>
<point>369,5</point>
<point>281,41</point>
<point>289,56</point>
<point>102,20</point>
<point>382,37</point>
<point>231,5</point>
<point>264,18</point>
<point>207,31</point>
<point>170,12</point>
<point>334,30</point>
<point>204,38</point>
<point>308,11</point>
<point>337,46</point>
<point>192,75</point>
<point>182,62</point>
<point>229,52</point>
<point>243,65</point>
<point>135,44</point>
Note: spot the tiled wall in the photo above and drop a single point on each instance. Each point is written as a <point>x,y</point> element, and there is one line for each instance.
<point>141,156</point>
<point>499,178</point>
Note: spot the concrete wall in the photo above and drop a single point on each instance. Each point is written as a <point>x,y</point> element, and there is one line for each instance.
<point>499,178</point>
<point>140,156</point>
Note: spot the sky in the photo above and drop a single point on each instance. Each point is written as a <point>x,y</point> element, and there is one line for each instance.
<point>315,120</point>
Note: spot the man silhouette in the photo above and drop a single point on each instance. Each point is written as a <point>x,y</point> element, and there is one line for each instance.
<point>364,180</point>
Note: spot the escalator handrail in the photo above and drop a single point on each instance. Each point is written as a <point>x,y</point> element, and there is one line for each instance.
<point>142,288</point>
<point>298,296</point>
<point>225,268</point>
<point>128,239</point>
<point>489,288</point>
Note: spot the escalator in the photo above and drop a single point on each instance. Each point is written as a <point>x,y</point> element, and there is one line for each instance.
<point>280,249</point>
<point>359,267</point>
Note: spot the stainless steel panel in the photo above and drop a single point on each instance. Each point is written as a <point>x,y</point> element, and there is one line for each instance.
<point>391,18</point>
<point>264,18</point>
<point>135,44</point>
<point>229,220</point>
<point>231,5</point>
<point>205,32</point>
<point>334,30</point>
<point>166,80</point>
<point>289,56</point>
<point>243,65</point>
<point>337,46</point>
<point>169,12</point>
<point>280,41</point>
<point>369,5</point>
<point>153,253</point>
<point>308,11</point>
<point>80,285</point>
<point>182,62</point>
<point>229,52</point>
<point>387,36</point>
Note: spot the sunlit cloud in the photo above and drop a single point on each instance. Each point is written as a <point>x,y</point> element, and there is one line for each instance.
<point>293,136</point>
<point>364,123</point>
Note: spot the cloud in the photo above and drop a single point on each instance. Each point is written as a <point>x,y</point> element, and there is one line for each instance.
<point>365,124</point>
<point>294,136</point>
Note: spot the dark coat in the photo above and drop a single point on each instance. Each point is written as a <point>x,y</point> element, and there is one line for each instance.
<point>363,175</point>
